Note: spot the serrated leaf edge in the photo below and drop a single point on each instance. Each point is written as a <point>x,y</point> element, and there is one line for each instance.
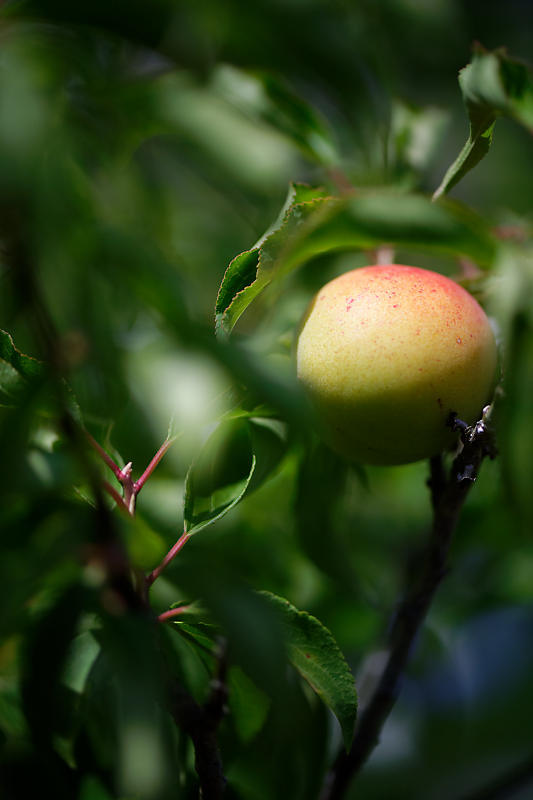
<point>284,218</point>
<point>197,528</point>
<point>335,647</point>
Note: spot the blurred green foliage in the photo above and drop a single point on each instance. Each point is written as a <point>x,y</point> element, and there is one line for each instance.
<point>143,146</point>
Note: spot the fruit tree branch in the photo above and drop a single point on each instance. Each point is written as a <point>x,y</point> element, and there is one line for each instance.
<point>448,495</point>
<point>170,556</point>
<point>201,724</point>
<point>172,613</point>
<point>138,485</point>
<point>130,487</point>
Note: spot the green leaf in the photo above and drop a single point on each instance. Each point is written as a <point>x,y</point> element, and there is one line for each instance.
<point>202,637</point>
<point>269,445</point>
<point>492,85</point>
<point>99,709</point>
<point>267,98</point>
<point>45,655</point>
<point>312,224</point>
<point>371,218</point>
<point>248,704</point>
<point>20,373</point>
<point>248,273</point>
<point>126,701</point>
<point>144,545</point>
<point>17,371</point>
<point>186,660</point>
<point>92,789</point>
<point>320,489</point>
<point>219,477</point>
<point>12,721</point>
<point>315,654</point>
<point>415,135</point>
<point>82,654</point>
<point>240,411</point>
<point>237,458</point>
<point>511,306</point>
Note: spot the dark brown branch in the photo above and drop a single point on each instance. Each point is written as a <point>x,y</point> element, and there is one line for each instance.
<point>448,495</point>
<point>437,480</point>
<point>201,724</point>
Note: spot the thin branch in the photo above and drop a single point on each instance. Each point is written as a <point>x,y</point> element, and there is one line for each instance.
<point>112,492</point>
<point>124,476</point>
<point>448,496</point>
<point>138,485</point>
<point>170,556</point>
<point>192,719</point>
<point>201,724</point>
<point>172,613</point>
<point>215,706</point>
<point>437,480</point>
<point>115,469</point>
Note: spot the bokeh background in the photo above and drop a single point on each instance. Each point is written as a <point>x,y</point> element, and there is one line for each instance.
<point>143,146</point>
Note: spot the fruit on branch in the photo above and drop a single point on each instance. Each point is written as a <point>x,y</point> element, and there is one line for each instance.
<point>386,354</point>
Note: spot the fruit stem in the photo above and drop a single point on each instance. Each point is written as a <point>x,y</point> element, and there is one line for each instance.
<point>112,492</point>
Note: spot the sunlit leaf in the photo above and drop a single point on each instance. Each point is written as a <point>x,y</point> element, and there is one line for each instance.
<point>246,145</point>
<point>248,273</point>
<point>82,654</point>
<point>17,370</point>
<point>416,134</point>
<point>202,635</point>
<point>492,85</point>
<point>317,657</point>
<point>266,97</point>
<point>210,490</point>
<point>237,457</point>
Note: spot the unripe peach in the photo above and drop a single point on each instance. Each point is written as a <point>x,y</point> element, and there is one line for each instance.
<point>386,354</point>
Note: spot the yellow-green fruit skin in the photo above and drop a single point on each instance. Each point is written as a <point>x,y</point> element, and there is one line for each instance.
<point>386,354</point>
